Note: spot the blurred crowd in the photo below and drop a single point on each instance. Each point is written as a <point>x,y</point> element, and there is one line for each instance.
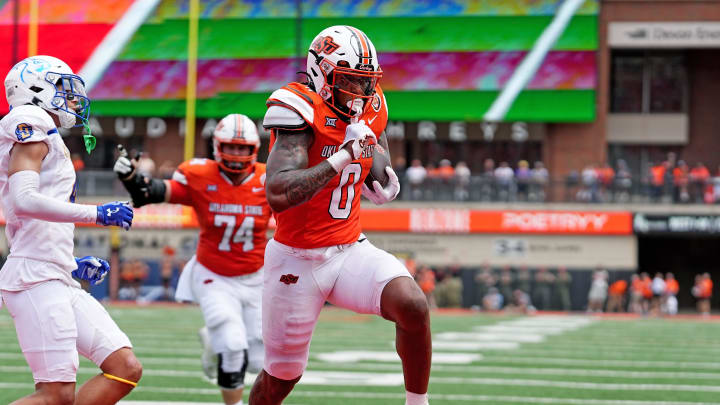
<point>520,290</point>
<point>668,180</point>
<point>139,282</point>
<point>499,182</point>
<point>523,290</point>
<point>644,295</point>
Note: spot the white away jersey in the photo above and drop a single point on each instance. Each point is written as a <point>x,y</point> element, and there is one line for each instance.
<point>39,250</point>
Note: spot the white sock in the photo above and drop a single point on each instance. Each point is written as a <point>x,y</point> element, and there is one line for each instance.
<point>239,403</point>
<point>415,399</point>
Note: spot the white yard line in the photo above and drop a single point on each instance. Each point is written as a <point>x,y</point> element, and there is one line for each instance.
<point>369,395</point>
<point>674,375</point>
<point>587,372</point>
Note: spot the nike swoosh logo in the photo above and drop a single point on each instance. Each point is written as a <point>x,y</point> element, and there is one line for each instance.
<point>257,189</point>
<point>371,121</point>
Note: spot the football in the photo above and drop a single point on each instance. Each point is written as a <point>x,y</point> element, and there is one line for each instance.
<point>377,171</point>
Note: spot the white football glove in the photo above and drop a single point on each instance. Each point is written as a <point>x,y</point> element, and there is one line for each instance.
<point>382,195</point>
<point>360,135</point>
<point>124,167</point>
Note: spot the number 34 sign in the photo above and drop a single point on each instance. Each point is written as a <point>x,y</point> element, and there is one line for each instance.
<point>510,247</point>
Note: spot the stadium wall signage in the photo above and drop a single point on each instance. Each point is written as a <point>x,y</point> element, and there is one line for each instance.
<point>429,131</point>
<point>664,35</point>
<point>676,224</point>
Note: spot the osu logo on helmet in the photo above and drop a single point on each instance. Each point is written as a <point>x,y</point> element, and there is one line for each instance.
<point>325,45</point>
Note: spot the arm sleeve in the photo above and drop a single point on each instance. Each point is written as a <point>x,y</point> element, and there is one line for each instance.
<point>27,201</point>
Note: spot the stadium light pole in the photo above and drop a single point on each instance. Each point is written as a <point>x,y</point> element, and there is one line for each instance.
<point>532,61</point>
<point>33,28</point>
<point>190,90</point>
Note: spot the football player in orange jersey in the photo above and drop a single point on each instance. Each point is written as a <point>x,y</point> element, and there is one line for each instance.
<point>224,277</point>
<point>323,137</point>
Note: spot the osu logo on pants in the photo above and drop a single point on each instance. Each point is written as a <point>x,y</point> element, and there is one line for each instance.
<point>289,279</point>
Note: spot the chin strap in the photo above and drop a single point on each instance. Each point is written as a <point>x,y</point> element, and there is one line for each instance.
<point>88,138</point>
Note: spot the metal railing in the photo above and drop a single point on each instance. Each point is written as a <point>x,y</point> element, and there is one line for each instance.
<point>103,183</point>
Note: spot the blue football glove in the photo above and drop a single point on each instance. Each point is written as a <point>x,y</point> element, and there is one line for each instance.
<point>91,269</point>
<point>116,213</point>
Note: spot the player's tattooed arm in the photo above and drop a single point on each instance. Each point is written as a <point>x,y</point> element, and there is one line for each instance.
<point>290,181</point>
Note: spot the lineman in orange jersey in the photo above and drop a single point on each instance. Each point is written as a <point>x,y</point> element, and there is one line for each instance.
<point>224,277</point>
<point>324,134</point>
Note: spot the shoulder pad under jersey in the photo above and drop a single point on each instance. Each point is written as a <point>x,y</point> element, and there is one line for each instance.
<point>190,168</point>
<point>294,100</point>
<point>28,123</point>
<point>282,117</point>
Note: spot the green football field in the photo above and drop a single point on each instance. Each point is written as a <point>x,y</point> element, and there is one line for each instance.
<point>478,359</point>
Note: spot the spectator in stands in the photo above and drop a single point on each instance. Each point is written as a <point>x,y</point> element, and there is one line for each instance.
<point>449,291</point>
<point>426,281</point>
<point>77,162</point>
<point>669,178</point>
<point>484,281</point>
<point>416,175</point>
<point>658,291</point>
<point>598,291</point>
<point>462,181</point>
<point>432,171</point>
<point>520,303</point>
<point>504,182</point>
<point>539,181</point>
<point>589,185</point>
<point>671,290</point>
<point>605,178</point>
<point>636,294</point>
<point>616,296</point>
<point>699,179</point>
<point>563,281</point>
<point>647,294</point>
<point>523,175</point>
<point>445,170</point>
<point>487,187</point>
<point>523,279</point>
<point>400,166</point>
<point>411,265</point>
<point>506,284</point>
<point>166,272</point>
<point>133,274</point>
<point>623,182</point>
<point>145,165</point>
<point>493,300</point>
<point>543,288</point>
<point>657,180</point>
<point>702,291</point>
<point>681,181</point>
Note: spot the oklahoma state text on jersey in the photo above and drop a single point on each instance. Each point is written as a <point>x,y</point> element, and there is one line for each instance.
<point>332,216</point>
<point>233,219</point>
